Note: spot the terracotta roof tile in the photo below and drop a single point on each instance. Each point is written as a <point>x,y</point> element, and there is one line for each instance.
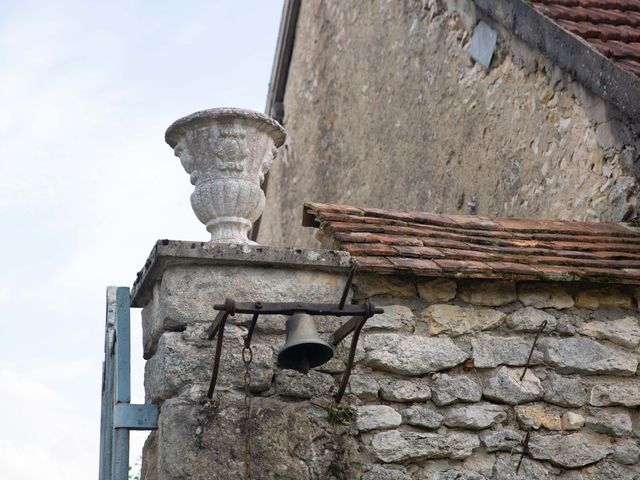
<point>437,245</point>
<point>611,26</point>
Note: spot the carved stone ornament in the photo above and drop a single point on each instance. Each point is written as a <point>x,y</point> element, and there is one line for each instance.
<point>227,152</point>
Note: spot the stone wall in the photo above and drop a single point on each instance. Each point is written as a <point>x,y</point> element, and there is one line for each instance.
<point>436,391</point>
<point>385,108</point>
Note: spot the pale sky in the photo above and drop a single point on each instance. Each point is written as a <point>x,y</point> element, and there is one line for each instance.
<point>87,185</point>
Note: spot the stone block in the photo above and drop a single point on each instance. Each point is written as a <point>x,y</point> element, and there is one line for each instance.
<point>507,464</point>
<point>625,393</point>
<point>502,440</point>
<point>458,474</point>
<point>582,355</point>
<point>404,390</point>
<point>572,421</point>
<point>395,317</point>
<point>506,387</point>
<point>488,293</point>
<point>439,290</point>
<point>423,417</point>
<point>446,390</point>
<point>477,416</point>
<point>401,446</point>
<point>411,355</point>
<point>370,285</point>
<point>290,383</point>
<point>570,451</point>
<point>383,472</point>
<point>187,293</point>
<point>541,295</point>
<point>182,362</point>
<point>624,331</point>
<point>365,387</point>
<point>536,415</point>
<point>455,320</point>
<point>564,391</point>
<point>204,441</point>
<point>376,417</point>
<point>616,422</point>
<point>490,351</point>
<point>627,454</point>
<point>529,319</point>
<point>603,297</point>
<point>607,470</point>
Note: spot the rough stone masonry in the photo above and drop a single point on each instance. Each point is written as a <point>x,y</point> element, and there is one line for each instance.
<point>437,391</point>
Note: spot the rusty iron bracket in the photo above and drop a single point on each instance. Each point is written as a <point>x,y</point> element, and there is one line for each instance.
<point>533,347</point>
<point>359,313</point>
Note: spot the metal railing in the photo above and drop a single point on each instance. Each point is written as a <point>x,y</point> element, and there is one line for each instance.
<point>118,415</point>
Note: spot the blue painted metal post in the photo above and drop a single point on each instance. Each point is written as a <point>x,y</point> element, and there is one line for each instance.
<point>118,416</point>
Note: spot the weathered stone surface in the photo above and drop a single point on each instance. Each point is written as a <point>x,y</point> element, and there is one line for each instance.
<point>474,417</point>
<point>376,417</point>
<point>404,390</point>
<point>491,351</point>
<point>625,331</point>
<point>489,294</point>
<point>551,167</point>
<point>505,386</point>
<point>413,355</point>
<point>289,440</point>
<point>439,290</point>
<point>446,390</point>
<point>365,387</point>
<point>582,355</point>
<point>290,383</point>
<point>607,470</point>
<point>401,446</point>
<point>529,319</point>
<point>603,297</point>
<point>395,317</point>
<point>506,465</point>
<point>542,295</point>
<point>572,421</point>
<point>564,391</point>
<point>615,422</point>
<point>503,440</point>
<point>536,415</point>
<point>625,393</point>
<point>422,417</point>
<point>370,285</point>
<point>627,454</point>
<point>383,472</point>
<point>570,451</point>
<point>456,474</point>
<point>454,320</point>
<point>179,363</point>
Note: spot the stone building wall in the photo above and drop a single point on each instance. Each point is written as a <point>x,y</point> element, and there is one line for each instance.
<point>435,393</point>
<point>385,108</point>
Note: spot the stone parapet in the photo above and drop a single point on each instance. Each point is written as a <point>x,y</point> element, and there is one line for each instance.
<point>437,390</point>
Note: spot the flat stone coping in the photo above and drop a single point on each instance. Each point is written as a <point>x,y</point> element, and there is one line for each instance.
<point>167,253</point>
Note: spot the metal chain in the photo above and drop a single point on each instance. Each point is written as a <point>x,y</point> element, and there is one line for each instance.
<point>247,358</point>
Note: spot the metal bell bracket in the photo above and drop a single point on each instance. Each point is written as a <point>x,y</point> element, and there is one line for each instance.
<point>360,313</point>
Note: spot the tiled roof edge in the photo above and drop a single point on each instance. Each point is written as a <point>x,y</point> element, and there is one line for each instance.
<point>570,52</point>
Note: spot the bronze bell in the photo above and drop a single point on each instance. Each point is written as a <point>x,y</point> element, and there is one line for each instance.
<point>303,348</point>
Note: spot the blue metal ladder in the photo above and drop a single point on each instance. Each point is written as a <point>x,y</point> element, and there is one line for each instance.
<point>118,415</point>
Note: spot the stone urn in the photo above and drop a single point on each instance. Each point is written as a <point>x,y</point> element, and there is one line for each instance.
<point>227,152</point>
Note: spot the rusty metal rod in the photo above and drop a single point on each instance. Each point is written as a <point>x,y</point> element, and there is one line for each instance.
<point>213,328</point>
<point>352,354</point>
<point>252,326</point>
<point>330,309</point>
<point>525,447</point>
<point>216,358</point>
<point>535,341</point>
<point>347,287</point>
